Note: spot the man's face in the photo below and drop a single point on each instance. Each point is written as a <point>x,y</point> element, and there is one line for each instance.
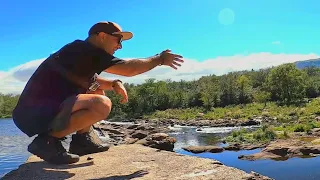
<point>111,43</point>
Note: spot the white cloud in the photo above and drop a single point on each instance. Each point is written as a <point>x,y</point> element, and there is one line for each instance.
<point>2,74</point>
<point>14,80</point>
<point>276,42</point>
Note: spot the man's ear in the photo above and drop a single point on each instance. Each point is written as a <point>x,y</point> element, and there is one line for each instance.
<point>100,35</point>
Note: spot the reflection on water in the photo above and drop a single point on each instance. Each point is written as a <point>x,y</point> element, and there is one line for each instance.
<point>13,145</point>
<point>293,169</point>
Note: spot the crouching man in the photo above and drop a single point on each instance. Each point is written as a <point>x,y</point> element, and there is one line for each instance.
<point>66,95</point>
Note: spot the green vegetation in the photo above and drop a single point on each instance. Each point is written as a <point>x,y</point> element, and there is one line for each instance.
<point>7,104</point>
<point>285,113</point>
<point>262,135</point>
<point>234,95</point>
<point>268,133</point>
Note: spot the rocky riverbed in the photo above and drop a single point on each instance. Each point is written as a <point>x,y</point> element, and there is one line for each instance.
<point>199,122</point>
<point>154,134</point>
<point>303,145</point>
<point>150,135</point>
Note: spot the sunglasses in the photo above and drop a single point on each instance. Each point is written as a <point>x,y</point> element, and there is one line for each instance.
<point>119,36</point>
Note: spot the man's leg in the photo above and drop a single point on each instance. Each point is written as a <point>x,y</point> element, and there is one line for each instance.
<point>87,129</point>
<point>87,110</point>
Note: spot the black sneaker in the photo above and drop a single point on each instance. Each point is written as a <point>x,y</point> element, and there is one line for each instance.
<point>51,150</point>
<point>87,143</point>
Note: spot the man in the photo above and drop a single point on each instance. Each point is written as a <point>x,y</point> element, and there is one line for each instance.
<point>66,95</point>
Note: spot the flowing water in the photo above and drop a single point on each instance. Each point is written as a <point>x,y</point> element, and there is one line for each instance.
<point>13,152</point>
<point>292,169</point>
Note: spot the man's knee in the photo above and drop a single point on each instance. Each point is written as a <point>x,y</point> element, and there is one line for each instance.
<point>102,105</point>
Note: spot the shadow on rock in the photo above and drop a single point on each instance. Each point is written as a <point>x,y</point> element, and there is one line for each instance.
<point>43,170</point>
<point>129,176</point>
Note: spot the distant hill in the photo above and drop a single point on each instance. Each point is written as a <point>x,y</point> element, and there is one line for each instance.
<point>308,63</point>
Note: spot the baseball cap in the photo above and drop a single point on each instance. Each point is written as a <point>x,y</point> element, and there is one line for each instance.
<point>110,28</point>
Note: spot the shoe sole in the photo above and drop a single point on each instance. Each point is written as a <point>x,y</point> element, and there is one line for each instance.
<point>33,149</point>
<point>82,152</point>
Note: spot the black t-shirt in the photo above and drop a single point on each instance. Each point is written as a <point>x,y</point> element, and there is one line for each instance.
<point>51,84</point>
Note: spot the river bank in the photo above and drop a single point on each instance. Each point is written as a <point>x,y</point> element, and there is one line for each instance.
<point>132,161</point>
<point>145,152</point>
<point>295,144</point>
<point>293,168</point>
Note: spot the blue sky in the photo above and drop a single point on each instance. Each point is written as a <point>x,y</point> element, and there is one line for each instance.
<point>197,29</point>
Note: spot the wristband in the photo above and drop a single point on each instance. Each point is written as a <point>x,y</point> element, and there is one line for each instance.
<point>161,60</point>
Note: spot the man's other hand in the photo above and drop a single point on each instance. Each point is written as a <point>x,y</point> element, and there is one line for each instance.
<point>121,90</point>
<point>170,59</point>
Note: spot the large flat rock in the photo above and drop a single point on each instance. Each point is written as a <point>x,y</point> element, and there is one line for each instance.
<point>131,162</point>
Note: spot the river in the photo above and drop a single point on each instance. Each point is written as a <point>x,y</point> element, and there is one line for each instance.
<point>13,152</point>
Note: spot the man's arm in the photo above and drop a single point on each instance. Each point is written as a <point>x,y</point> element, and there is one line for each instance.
<point>105,84</point>
<point>117,86</point>
<point>135,66</point>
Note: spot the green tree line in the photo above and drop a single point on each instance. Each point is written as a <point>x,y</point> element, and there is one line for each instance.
<point>284,84</point>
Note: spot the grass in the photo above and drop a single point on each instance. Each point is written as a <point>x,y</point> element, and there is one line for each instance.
<point>288,119</point>
<point>261,135</point>
<point>268,133</point>
<point>282,114</point>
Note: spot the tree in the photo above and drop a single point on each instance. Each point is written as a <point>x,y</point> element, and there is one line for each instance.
<point>287,83</point>
<point>210,91</point>
<point>262,97</point>
<point>244,86</point>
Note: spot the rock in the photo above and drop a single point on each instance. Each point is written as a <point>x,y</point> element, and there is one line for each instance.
<point>159,136</point>
<point>316,141</point>
<point>139,134</point>
<point>232,148</point>
<point>261,155</point>
<point>280,151</point>
<point>251,146</point>
<point>250,123</point>
<point>133,126</point>
<point>130,162</point>
<point>283,150</point>
<point>159,141</point>
<point>237,147</point>
<point>315,131</point>
<point>129,140</point>
<point>141,127</point>
<point>201,149</point>
<point>114,131</point>
<point>256,176</point>
<point>310,150</point>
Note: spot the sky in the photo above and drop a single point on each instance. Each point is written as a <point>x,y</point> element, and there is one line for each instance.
<point>213,36</point>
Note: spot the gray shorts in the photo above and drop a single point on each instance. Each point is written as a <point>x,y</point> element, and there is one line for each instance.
<point>44,118</point>
<point>62,119</point>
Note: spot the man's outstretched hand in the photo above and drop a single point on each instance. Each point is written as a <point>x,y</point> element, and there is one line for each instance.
<point>121,90</point>
<point>170,59</point>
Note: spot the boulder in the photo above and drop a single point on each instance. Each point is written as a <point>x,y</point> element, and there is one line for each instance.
<point>139,134</point>
<point>232,147</point>
<point>250,123</point>
<point>201,149</point>
<point>159,141</point>
<point>283,150</point>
